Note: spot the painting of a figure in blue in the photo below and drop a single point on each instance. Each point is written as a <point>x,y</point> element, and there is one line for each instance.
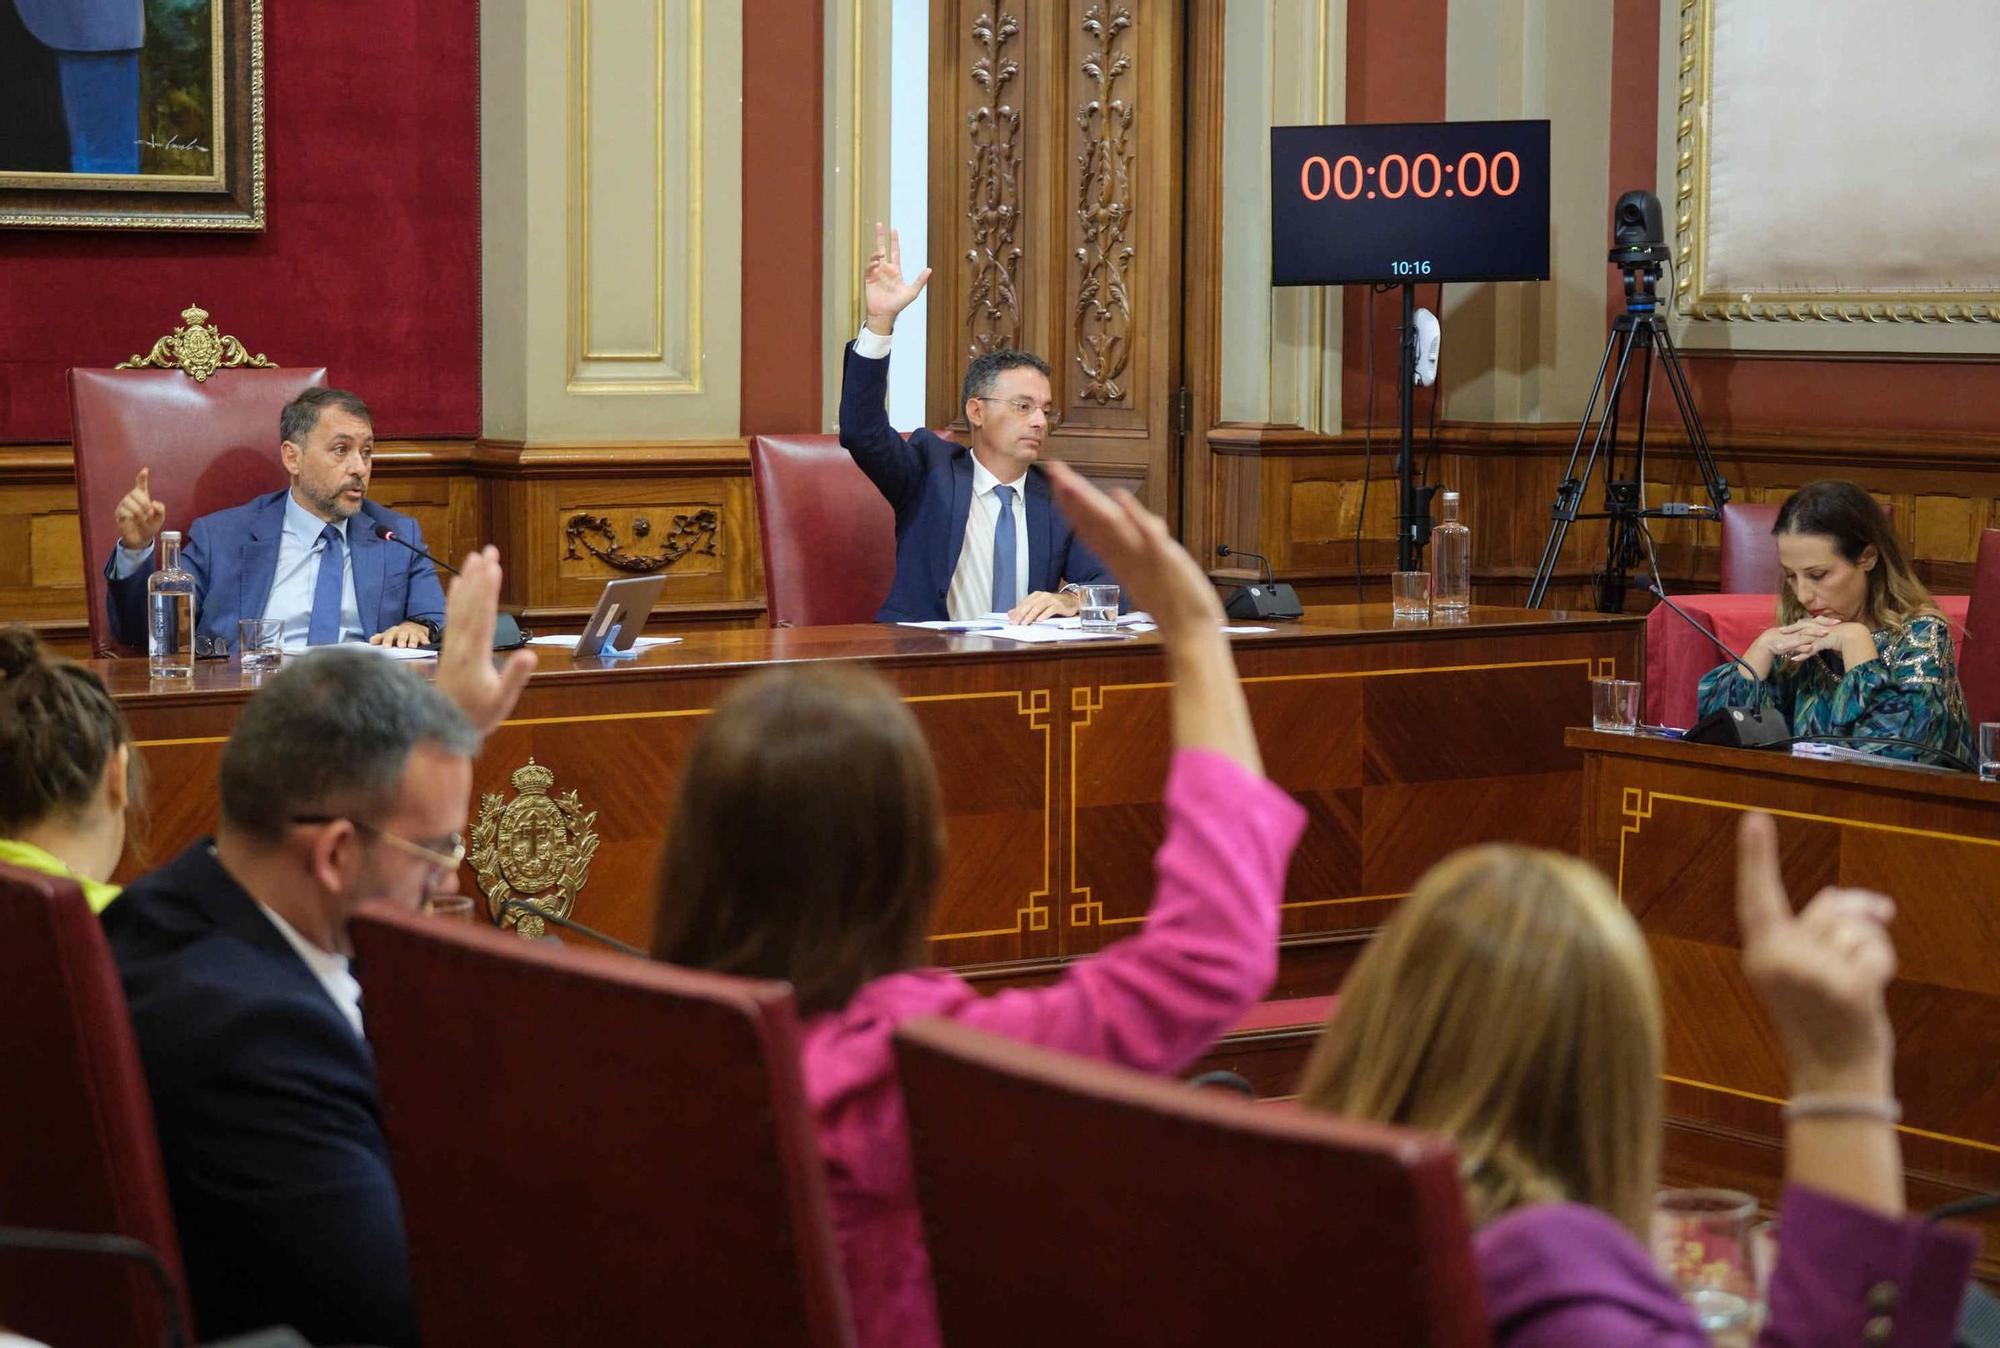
<point>107,86</point>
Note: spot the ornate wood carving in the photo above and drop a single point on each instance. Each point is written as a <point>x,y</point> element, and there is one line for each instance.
<point>993,189</point>
<point>690,533</point>
<point>1104,207</point>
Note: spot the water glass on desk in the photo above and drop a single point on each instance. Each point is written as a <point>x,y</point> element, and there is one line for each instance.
<point>1098,611</point>
<point>260,642</point>
<point>1614,705</point>
<point>1989,751</point>
<point>1410,594</point>
<point>1701,1241</point>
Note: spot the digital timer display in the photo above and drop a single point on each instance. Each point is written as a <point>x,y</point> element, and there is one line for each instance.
<point>1432,201</point>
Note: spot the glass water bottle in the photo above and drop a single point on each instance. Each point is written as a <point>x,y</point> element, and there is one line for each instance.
<point>1451,560</point>
<point>170,614</point>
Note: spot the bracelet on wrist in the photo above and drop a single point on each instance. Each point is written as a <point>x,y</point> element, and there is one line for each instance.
<point>1843,1106</point>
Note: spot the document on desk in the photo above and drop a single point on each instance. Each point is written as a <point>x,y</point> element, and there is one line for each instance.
<point>569,643</point>
<point>393,652</point>
<point>958,625</point>
<point>1042,632</point>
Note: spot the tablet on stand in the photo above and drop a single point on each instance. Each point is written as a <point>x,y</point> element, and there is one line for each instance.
<point>619,618</point>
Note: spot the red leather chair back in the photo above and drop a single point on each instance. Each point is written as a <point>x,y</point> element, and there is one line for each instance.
<point>593,1148</point>
<point>1979,654</point>
<point>210,446</point>
<point>829,537</point>
<point>1750,553</point>
<point>77,1147</point>
<point>1067,1200</point>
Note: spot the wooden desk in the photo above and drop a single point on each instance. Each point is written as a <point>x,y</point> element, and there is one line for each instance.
<point>1660,818</point>
<point>1403,742</point>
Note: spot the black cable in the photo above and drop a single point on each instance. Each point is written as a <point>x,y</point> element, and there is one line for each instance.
<point>114,1247</point>
<point>1951,760</point>
<point>1437,392</point>
<point>1367,433</point>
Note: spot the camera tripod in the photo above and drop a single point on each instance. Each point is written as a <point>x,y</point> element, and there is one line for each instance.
<point>1638,332</point>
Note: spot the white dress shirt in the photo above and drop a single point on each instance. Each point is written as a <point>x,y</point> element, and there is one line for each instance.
<point>329,968</point>
<point>292,586</point>
<point>971,593</point>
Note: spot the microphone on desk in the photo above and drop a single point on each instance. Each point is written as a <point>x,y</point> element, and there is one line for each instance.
<point>1269,600</point>
<point>507,632</point>
<point>1753,727</point>
<point>523,907</point>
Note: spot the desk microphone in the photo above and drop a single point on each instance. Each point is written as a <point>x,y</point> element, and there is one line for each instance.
<point>1269,600</point>
<point>522,906</point>
<point>507,633</point>
<point>1753,727</point>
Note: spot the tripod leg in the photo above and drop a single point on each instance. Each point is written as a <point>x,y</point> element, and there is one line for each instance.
<point>1569,493</point>
<point>1704,458</point>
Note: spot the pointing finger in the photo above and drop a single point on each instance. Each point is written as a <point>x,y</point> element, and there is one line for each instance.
<point>1761,904</point>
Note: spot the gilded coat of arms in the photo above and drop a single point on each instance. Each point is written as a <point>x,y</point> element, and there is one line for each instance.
<point>536,847</point>
<point>197,348</point>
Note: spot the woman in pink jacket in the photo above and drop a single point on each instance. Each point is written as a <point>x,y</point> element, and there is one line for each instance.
<point>806,846</point>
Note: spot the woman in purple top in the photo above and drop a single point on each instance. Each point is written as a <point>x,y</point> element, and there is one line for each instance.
<point>1512,1005</point>
<point>806,845</point>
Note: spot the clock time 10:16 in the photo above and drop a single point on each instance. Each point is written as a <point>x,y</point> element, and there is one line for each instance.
<point>1472,174</point>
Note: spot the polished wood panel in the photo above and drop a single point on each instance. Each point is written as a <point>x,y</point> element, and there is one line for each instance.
<point>1660,819</point>
<point>1401,742</point>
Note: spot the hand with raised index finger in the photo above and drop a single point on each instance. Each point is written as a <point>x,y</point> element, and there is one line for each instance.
<point>138,516</point>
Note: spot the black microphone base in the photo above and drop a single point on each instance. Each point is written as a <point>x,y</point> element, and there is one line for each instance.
<point>1740,728</point>
<point>1263,601</point>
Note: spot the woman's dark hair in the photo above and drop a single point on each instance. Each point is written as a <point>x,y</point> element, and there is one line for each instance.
<point>58,728</point>
<point>805,842</point>
<point>1840,510</point>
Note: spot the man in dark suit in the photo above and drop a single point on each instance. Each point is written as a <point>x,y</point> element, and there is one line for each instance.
<point>308,555</point>
<point>976,531</point>
<point>347,777</point>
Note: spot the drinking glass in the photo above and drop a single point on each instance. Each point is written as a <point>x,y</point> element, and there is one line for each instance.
<point>1989,750</point>
<point>1099,611</point>
<point>260,641</point>
<point>1701,1241</point>
<point>1410,594</point>
<point>1614,705</point>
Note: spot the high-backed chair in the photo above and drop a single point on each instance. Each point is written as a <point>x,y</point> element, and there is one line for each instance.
<point>211,443</point>
<point>1065,1200</point>
<point>77,1148</point>
<point>829,537</point>
<point>1979,655</point>
<point>593,1148</point>
<point>1750,553</point>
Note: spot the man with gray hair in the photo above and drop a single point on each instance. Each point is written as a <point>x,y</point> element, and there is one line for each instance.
<point>977,530</point>
<point>348,777</point>
<point>308,556</point>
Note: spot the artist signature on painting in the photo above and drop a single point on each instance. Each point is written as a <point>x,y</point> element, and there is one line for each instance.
<point>176,143</point>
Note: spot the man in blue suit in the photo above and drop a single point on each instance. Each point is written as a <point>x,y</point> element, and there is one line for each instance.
<point>308,556</point>
<point>976,531</point>
<point>348,777</point>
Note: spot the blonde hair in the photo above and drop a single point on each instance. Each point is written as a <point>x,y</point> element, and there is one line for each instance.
<point>1842,511</point>
<point>1510,1004</point>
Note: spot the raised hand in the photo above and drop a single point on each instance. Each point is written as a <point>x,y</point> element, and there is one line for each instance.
<point>466,673</point>
<point>884,291</point>
<point>1822,973</point>
<point>138,515</point>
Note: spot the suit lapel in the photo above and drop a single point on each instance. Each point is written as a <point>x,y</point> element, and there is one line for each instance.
<point>257,559</point>
<point>370,570</point>
<point>1039,543</point>
<point>961,509</point>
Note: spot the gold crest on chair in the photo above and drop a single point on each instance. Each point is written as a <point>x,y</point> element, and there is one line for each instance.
<point>197,349</point>
<point>535,848</point>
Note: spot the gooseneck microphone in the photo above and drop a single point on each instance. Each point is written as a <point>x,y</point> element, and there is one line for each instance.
<point>1269,600</point>
<point>524,907</point>
<point>507,632</point>
<point>1753,727</point>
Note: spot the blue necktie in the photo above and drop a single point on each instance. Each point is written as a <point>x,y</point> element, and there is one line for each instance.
<point>1003,552</point>
<point>324,629</point>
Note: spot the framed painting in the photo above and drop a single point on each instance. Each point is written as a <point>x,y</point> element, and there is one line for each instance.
<point>132,114</point>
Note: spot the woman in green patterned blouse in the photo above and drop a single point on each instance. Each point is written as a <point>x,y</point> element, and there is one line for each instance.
<point>1859,649</point>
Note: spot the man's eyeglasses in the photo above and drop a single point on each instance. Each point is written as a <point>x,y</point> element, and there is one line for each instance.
<point>1026,407</point>
<point>447,859</point>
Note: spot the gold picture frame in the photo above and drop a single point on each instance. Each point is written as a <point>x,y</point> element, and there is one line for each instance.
<point>199,115</point>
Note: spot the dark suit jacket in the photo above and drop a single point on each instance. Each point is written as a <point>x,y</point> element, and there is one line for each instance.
<point>233,557</point>
<point>267,1111</point>
<point>928,482</point>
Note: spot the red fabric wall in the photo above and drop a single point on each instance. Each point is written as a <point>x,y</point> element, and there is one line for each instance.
<point>369,262</point>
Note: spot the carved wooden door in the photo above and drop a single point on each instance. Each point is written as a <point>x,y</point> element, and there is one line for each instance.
<point>1055,220</point>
